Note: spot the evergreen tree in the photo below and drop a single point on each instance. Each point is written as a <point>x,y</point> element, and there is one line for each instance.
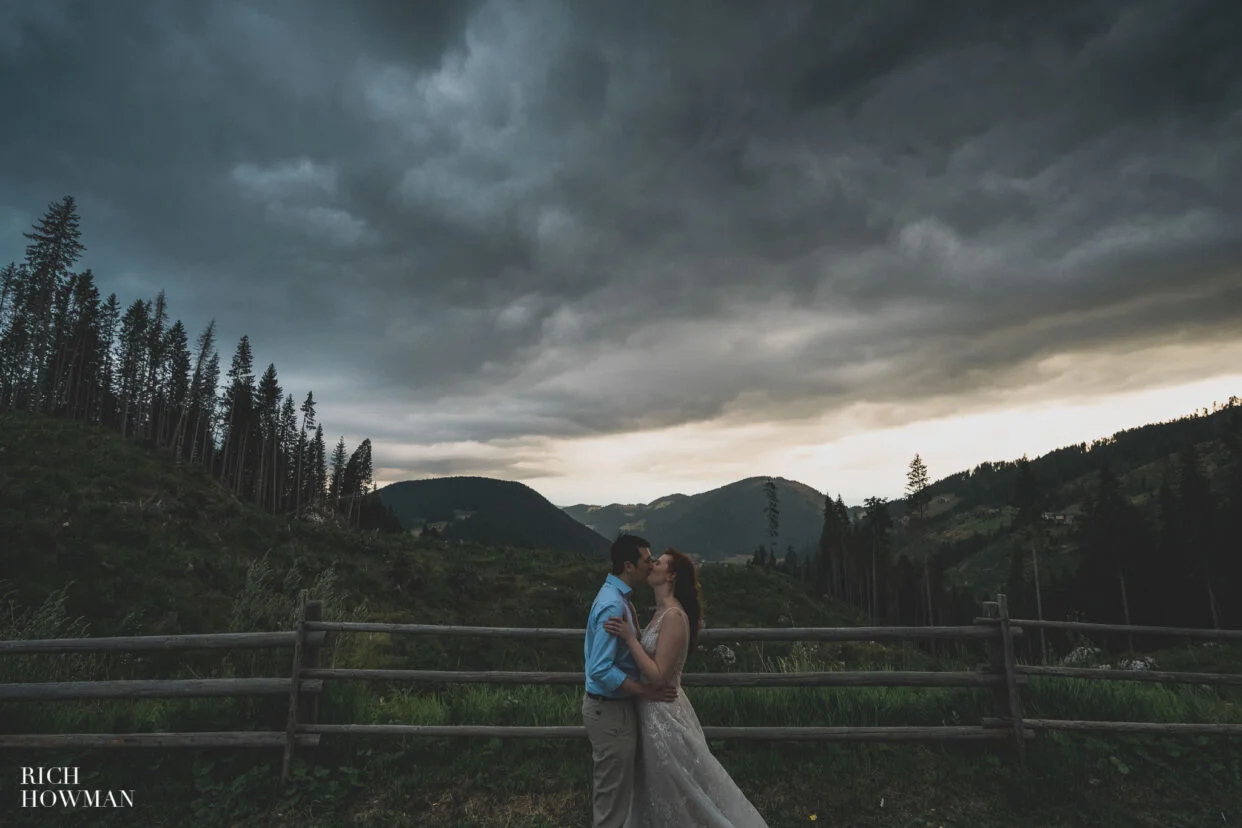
<point>791,561</point>
<point>303,449</point>
<point>877,525</point>
<point>289,451</point>
<point>174,379</point>
<point>153,393</point>
<point>773,512</point>
<point>1109,529</point>
<point>9,279</point>
<point>1200,535</point>
<point>339,459</point>
<point>318,476</point>
<point>104,409</point>
<point>237,411</point>
<point>200,399</point>
<point>82,362</point>
<point>52,252</point>
<point>831,552</point>
<point>15,343</point>
<point>269,397</point>
<point>918,497</point>
<point>357,477</point>
<point>131,368</point>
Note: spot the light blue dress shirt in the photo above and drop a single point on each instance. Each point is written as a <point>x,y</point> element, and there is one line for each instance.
<point>608,660</point>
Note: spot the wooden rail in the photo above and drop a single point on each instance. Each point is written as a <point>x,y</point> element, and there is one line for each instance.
<point>1002,675</point>
<point>707,636</point>
<point>872,678</point>
<point>302,692</point>
<point>151,689</point>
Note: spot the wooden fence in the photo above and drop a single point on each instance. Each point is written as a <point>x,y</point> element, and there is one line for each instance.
<point>1002,674</point>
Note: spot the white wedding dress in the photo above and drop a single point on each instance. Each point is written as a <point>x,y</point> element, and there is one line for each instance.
<point>679,783</point>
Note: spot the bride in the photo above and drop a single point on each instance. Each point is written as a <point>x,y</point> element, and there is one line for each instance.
<point>678,781</point>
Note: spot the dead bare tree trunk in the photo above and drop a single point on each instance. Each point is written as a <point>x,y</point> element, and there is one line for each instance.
<point>1125,608</point>
<point>1039,604</point>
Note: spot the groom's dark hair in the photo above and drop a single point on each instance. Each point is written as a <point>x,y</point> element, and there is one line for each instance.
<point>625,549</point>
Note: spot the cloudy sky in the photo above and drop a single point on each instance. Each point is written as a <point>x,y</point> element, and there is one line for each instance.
<point>617,250</point>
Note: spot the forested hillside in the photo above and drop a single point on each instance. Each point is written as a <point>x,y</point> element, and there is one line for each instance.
<point>1144,526</point>
<point>66,352</point>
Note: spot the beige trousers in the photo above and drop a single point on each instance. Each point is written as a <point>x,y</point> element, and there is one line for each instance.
<point>613,729</point>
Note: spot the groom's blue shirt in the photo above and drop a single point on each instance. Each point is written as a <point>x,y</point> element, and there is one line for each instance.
<point>608,660</point>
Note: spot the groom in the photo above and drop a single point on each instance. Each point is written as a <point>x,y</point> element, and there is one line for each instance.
<point>612,683</point>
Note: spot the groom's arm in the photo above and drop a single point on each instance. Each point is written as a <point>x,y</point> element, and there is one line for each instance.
<point>601,662</point>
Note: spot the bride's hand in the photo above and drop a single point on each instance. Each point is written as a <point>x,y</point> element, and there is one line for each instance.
<point>620,628</point>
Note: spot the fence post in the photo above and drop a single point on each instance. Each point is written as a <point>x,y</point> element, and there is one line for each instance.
<point>309,712</point>
<point>291,720</point>
<point>1013,707</point>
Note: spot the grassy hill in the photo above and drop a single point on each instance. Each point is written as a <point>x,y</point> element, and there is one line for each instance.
<point>100,536</point>
<point>723,523</point>
<point>487,511</point>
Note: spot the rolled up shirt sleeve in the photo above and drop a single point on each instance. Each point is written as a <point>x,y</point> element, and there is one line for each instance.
<point>601,662</point>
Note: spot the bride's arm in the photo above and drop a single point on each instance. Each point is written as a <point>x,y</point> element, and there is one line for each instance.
<point>670,642</point>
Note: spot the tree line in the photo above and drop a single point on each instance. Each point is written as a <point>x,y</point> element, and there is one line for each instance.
<point>67,352</point>
<point>1166,556</point>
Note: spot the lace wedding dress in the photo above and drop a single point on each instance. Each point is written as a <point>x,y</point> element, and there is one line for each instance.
<point>679,783</point>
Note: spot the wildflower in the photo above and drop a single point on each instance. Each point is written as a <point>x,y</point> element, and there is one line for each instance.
<point>813,817</point>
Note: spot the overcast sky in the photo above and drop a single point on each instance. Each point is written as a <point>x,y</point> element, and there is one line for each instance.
<point>617,250</point>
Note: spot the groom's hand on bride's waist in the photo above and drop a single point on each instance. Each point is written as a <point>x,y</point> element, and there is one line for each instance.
<point>665,693</point>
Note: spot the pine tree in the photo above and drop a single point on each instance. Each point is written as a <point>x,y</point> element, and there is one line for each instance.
<point>918,497</point>
<point>201,396</point>
<point>174,379</point>
<point>339,459</point>
<point>237,409</point>
<point>84,363</point>
<point>289,450</point>
<point>9,279</point>
<point>15,342</point>
<point>105,405</point>
<point>52,252</point>
<point>1197,505</point>
<point>1109,537</point>
<point>357,476</point>
<point>153,393</point>
<point>269,396</point>
<point>308,422</point>
<point>878,525</point>
<point>772,511</point>
<point>791,561</point>
<point>318,467</point>
<point>131,368</point>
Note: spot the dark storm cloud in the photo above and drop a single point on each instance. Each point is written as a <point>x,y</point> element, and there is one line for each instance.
<point>585,217</point>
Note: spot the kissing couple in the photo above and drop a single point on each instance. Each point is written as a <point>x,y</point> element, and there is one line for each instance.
<point>653,768</point>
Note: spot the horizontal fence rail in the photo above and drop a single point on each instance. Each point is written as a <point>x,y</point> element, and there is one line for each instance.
<point>1165,728</point>
<point>824,734</point>
<point>139,643</point>
<point>721,634</point>
<point>1084,626</point>
<point>869,678</point>
<point>151,689</point>
<point>153,740</point>
<point>1110,674</point>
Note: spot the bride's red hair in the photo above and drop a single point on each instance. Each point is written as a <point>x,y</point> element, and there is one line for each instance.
<point>686,589</point>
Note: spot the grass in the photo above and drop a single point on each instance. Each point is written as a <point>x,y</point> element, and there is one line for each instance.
<point>102,537</point>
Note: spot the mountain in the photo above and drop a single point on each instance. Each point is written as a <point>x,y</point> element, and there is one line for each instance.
<point>491,512</point>
<point>724,523</point>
